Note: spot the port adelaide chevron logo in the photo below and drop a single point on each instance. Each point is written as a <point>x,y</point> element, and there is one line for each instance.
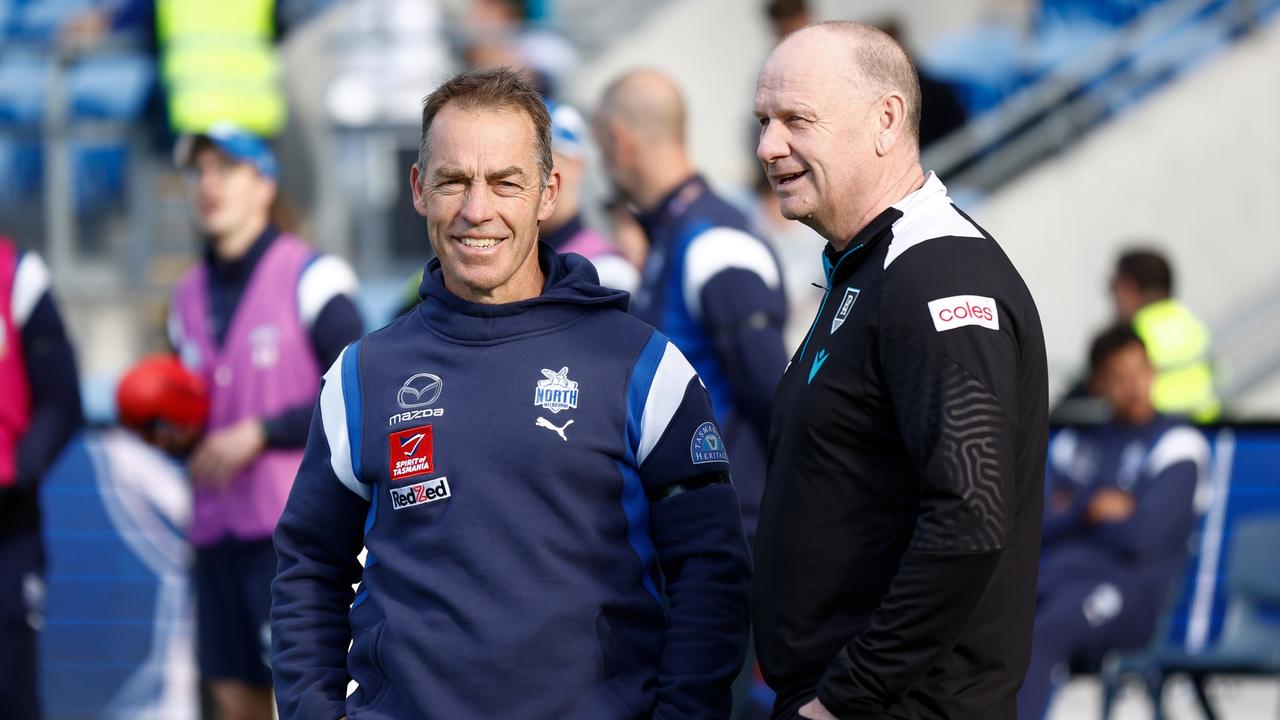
<point>556,392</point>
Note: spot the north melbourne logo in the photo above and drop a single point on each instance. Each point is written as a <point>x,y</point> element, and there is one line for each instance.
<point>557,392</point>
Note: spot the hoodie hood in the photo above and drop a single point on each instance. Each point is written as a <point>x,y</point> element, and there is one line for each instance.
<point>572,289</point>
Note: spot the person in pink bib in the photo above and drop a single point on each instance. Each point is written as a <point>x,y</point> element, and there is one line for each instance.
<point>39,414</point>
<point>257,319</point>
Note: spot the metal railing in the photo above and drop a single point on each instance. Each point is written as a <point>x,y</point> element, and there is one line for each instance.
<point>1050,115</point>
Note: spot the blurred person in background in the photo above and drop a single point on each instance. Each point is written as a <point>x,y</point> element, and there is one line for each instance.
<point>787,16</point>
<point>1177,343</point>
<point>897,545</point>
<point>941,112</point>
<point>628,235</point>
<point>516,541</point>
<point>504,33</point>
<point>707,282</point>
<point>565,230</point>
<point>256,319</point>
<point>217,61</point>
<point>796,246</point>
<point>1121,504</point>
<point>39,414</point>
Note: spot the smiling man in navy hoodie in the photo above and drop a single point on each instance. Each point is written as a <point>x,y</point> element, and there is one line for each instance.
<point>537,477</point>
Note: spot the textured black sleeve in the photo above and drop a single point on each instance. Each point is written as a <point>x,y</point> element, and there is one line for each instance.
<point>951,381</point>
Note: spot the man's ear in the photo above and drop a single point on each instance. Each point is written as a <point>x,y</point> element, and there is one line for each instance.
<point>550,196</point>
<point>415,189</point>
<point>891,119</point>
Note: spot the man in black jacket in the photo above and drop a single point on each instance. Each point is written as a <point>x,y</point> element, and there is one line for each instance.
<point>899,530</point>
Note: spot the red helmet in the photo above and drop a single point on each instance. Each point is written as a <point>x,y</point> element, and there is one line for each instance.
<point>159,387</point>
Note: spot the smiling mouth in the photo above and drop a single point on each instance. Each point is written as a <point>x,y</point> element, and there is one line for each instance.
<point>784,180</point>
<point>479,243</point>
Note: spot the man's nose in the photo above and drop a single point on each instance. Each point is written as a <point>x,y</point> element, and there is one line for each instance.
<point>477,204</point>
<point>772,144</point>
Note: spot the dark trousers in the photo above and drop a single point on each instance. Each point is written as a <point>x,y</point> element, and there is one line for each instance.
<point>21,616</point>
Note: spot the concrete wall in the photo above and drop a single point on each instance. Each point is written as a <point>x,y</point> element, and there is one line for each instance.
<point>714,49</point>
<point>1196,169</point>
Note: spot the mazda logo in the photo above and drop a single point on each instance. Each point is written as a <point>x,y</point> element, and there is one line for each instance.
<point>419,391</point>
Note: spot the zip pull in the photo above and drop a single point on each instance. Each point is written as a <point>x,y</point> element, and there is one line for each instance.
<point>823,288</point>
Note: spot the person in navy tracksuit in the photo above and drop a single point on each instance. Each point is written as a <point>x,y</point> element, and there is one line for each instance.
<point>707,282</point>
<point>39,415</point>
<point>537,477</point>
<point>1120,506</point>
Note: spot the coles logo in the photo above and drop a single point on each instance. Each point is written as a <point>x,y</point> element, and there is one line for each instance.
<point>412,452</point>
<point>961,310</point>
<point>424,492</point>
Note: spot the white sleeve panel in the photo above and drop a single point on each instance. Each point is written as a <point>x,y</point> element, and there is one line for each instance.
<point>1181,444</point>
<point>722,248</point>
<point>333,418</point>
<point>666,393</point>
<point>30,283</point>
<point>326,277</point>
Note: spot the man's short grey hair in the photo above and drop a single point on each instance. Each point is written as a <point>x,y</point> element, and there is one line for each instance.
<point>497,89</point>
<point>884,63</point>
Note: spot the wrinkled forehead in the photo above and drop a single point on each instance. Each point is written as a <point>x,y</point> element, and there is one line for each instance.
<point>806,91</point>
<point>482,135</point>
<point>814,75</point>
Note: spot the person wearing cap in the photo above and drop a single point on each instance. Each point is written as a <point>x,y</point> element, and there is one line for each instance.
<point>39,414</point>
<point>564,230</point>
<point>257,318</point>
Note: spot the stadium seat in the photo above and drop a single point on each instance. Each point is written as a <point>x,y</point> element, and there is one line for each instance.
<point>24,81</point>
<point>1250,639</point>
<point>37,21</point>
<point>113,87</point>
<point>101,174</point>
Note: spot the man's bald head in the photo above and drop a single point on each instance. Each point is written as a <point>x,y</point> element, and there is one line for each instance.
<point>839,111</point>
<point>881,63</point>
<point>649,104</point>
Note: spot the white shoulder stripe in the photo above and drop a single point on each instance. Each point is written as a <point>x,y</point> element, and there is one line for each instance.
<point>722,248</point>
<point>326,277</point>
<point>927,213</point>
<point>1178,445</point>
<point>1062,451</point>
<point>665,395</point>
<point>333,418</point>
<point>30,283</point>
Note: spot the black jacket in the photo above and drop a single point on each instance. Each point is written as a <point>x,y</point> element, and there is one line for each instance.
<point>900,527</point>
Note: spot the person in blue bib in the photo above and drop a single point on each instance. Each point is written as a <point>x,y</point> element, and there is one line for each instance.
<point>536,477</point>
<point>1121,503</point>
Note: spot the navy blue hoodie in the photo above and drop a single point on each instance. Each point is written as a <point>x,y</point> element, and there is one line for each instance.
<point>541,490</point>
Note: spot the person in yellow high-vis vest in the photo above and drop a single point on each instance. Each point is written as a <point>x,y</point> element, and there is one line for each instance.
<point>1176,341</point>
<point>217,61</point>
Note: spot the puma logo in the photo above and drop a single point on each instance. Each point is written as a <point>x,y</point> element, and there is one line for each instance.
<point>545,423</point>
